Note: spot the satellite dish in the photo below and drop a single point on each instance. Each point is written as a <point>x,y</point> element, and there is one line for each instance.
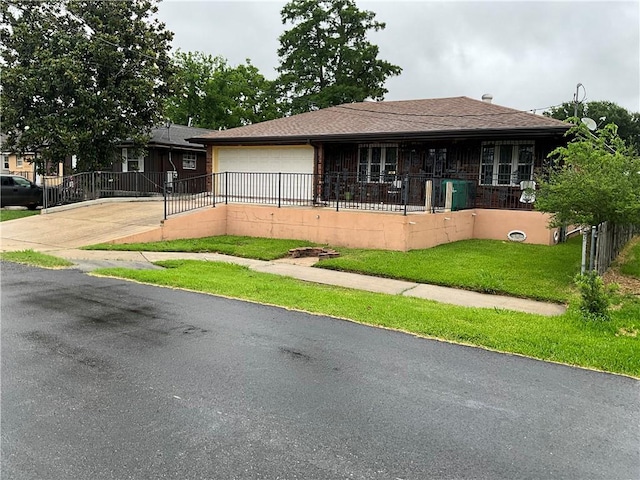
<point>590,123</point>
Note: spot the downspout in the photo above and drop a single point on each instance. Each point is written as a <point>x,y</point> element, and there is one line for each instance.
<point>171,161</point>
<point>168,125</point>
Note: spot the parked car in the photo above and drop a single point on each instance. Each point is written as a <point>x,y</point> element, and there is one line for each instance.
<point>17,191</point>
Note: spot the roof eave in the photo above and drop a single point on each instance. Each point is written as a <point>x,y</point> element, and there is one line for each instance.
<point>529,132</point>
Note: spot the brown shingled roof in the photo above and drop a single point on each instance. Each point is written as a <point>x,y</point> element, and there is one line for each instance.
<point>390,119</point>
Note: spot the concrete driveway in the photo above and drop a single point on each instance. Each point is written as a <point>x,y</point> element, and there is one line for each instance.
<point>82,224</point>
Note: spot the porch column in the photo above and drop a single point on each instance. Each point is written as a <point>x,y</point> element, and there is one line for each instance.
<point>448,199</point>
<point>209,168</point>
<point>318,171</point>
<point>428,192</point>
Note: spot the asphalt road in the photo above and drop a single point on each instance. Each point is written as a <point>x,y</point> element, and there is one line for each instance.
<point>104,379</point>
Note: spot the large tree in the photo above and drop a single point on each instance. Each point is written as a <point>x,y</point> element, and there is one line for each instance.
<point>326,58</point>
<point>79,77</point>
<point>215,95</point>
<point>595,178</point>
<point>603,112</point>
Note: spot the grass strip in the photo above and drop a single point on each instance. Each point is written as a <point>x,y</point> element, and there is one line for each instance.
<point>612,346</point>
<point>246,247</point>
<point>489,266</point>
<point>36,259</point>
<point>15,214</point>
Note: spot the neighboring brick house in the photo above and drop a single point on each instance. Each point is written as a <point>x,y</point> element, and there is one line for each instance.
<point>167,151</point>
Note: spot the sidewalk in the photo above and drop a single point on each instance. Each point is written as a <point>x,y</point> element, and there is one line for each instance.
<point>302,269</point>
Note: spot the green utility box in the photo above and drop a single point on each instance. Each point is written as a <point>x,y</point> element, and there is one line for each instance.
<point>462,193</point>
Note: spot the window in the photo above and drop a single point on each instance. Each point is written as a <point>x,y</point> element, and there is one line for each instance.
<point>19,161</point>
<point>5,161</point>
<point>377,163</point>
<point>131,162</point>
<point>189,161</point>
<point>506,163</point>
<point>436,161</point>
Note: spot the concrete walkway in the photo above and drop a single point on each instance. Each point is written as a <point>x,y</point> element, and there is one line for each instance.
<point>61,231</point>
<point>302,269</point>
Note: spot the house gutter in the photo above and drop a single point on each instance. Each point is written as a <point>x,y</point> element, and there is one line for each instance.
<point>387,136</point>
<point>191,148</point>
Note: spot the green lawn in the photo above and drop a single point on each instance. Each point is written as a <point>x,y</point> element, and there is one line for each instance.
<point>490,266</point>
<point>610,346</point>
<point>14,214</point>
<point>246,247</point>
<point>631,264</point>
<point>37,259</point>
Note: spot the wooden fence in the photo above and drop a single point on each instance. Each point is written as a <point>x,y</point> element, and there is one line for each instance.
<point>606,243</point>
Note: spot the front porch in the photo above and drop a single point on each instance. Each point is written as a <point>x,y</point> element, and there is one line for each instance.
<point>422,193</point>
<point>482,173</point>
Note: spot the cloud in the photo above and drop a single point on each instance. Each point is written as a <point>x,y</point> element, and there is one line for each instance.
<point>527,54</point>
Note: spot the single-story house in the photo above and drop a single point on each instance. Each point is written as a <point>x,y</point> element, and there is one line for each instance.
<point>167,151</point>
<point>396,175</point>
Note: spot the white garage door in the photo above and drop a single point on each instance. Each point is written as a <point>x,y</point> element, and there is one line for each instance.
<point>266,159</point>
<point>254,173</point>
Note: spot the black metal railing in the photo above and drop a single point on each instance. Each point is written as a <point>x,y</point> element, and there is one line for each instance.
<point>279,189</point>
<point>183,195</point>
<point>339,190</point>
<point>397,193</point>
<point>93,185</point>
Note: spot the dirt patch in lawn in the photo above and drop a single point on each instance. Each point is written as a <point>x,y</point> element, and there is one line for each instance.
<point>628,285</point>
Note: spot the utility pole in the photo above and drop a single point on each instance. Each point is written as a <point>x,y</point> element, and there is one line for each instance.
<point>575,99</point>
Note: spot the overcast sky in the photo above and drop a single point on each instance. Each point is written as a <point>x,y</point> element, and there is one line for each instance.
<point>528,55</point>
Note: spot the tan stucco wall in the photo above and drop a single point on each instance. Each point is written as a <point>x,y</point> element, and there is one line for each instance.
<point>322,225</point>
<point>496,224</point>
<point>428,230</point>
<point>389,231</point>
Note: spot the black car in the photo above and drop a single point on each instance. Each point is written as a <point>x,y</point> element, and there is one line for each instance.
<point>17,191</point>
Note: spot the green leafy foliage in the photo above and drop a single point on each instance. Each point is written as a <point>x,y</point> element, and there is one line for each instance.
<point>595,178</point>
<point>216,95</point>
<point>595,297</point>
<point>604,112</point>
<point>326,59</point>
<point>80,76</point>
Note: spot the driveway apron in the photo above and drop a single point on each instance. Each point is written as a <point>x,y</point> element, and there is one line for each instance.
<point>75,227</point>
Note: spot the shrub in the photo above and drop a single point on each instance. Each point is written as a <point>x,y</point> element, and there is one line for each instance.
<point>596,298</point>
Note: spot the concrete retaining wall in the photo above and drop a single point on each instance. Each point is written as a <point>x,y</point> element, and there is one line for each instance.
<point>355,229</point>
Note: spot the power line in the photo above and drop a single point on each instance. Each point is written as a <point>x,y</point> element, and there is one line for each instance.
<point>445,115</point>
<point>386,115</point>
